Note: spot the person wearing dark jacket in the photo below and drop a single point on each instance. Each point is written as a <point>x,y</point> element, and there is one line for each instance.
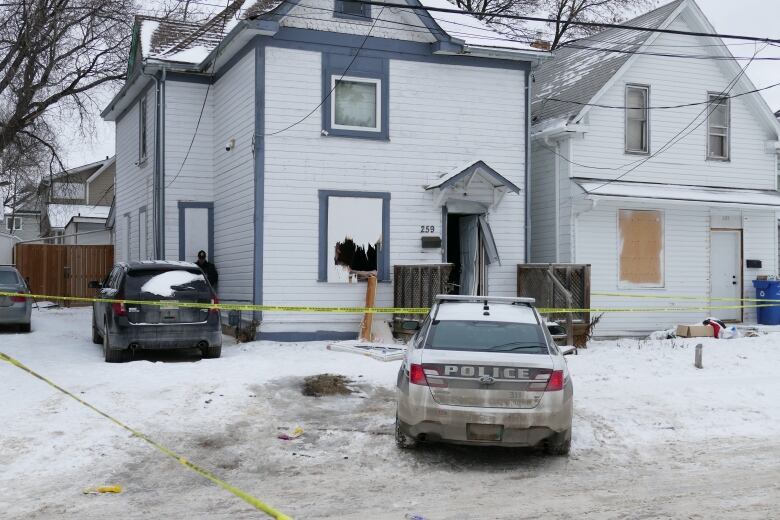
<point>209,269</point>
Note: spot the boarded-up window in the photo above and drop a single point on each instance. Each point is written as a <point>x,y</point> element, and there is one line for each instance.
<point>641,236</point>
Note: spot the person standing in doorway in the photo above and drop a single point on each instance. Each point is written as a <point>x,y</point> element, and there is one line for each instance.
<point>209,269</point>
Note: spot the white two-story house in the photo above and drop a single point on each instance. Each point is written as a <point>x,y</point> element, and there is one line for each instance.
<point>306,144</point>
<point>656,170</point>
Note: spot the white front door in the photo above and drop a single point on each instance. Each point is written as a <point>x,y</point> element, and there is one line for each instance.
<point>726,272</point>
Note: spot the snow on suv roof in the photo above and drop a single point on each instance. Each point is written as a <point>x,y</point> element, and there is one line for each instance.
<point>472,311</point>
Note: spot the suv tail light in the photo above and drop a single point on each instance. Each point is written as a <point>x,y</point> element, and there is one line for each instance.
<point>214,301</point>
<point>556,381</point>
<point>119,309</point>
<point>19,299</point>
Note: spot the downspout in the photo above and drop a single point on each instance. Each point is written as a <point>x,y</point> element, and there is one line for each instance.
<point>162,165</point>
<point>557,187</point>
<point>527,166</point>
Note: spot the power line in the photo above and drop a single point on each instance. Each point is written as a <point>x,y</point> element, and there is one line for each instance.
<point>661,107</point>
<point>203,106</point>
<point>327,96</point>
<point>573,22</point>
<point>679,137</point>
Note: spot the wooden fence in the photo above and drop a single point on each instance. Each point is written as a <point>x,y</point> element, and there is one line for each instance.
<point>63,270</point>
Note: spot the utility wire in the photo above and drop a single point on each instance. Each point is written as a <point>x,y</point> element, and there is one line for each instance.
<point>572,22</point>
<point>202,107</point>
<point>679,137</point>
<point>327,96</point>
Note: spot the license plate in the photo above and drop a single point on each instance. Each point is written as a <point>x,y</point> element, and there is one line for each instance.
<point>169,306</point>
<point>484,432</point>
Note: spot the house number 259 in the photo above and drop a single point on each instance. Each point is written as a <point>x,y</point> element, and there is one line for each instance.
<point>427,229</point>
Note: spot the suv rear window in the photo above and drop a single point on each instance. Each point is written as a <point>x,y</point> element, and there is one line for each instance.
<point>178,284</point>
<point>8,278</point>
<point>487,336</point>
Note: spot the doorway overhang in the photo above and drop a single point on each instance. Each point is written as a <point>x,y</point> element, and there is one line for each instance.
<point>458,182</point>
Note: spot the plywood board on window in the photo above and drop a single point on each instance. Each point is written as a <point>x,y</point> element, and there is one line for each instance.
<point>641,236</point>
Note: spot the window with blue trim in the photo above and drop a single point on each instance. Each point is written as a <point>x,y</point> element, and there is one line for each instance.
<point>354,233</point>
<point>357,96</point>
<point>347,9</point>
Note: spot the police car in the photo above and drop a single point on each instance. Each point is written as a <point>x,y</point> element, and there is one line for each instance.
<point>484,370</point>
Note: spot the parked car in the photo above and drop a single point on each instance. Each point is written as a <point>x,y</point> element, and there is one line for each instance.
<point>484,370</point>
<point>14,310</point>
<point>125,327</point>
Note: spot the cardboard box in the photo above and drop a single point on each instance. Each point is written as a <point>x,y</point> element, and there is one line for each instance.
<point>695,331</point>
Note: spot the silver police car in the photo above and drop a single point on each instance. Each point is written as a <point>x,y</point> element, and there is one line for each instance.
<point>15,308</point>
<point>484,370</point>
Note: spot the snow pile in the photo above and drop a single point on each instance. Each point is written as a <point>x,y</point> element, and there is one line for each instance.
<point>163,284</point>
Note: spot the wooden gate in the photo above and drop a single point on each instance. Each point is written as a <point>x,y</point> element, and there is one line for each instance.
<point>63,270</point>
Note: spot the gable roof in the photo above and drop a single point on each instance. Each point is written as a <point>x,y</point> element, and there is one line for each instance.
<point>187,42</point>
<point>576,73</point>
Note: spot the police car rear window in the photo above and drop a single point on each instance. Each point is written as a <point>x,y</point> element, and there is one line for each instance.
<point>487,336</point>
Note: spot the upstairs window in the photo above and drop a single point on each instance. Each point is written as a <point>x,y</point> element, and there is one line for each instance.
<point>718,127</point>
<point>347,9</point>
<point>356,104</point>
<point>13,224</point>
<point>637,122</point>
<point>142,134</point>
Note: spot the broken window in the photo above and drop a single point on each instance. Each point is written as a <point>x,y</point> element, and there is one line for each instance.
<point>641,245</point>
<point>354,238</point>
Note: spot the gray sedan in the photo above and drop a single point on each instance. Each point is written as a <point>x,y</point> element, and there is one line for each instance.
<point>14,310</point>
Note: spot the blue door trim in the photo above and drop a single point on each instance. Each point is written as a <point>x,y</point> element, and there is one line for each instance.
<point>183,205</point>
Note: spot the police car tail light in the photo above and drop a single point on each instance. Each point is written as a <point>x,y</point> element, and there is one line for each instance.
<point>417,375</point>
<point>19,299</point>
<point>555,382</point>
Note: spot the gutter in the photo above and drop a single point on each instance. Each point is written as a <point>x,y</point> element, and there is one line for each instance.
<point>567,130</point>
<point>535,57</point>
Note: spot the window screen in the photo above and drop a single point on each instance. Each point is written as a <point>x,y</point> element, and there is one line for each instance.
<point>718,124</point>
<point>355,104</point>
<point>641,245</point>
<point>637,138</point>
<point>352,8</point>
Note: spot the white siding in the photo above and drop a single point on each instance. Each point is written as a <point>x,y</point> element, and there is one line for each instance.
<point>192,180</point>
<point>686,263</point>
<point>543,211</point>
<point>433,128</point>
<point>234,118</point>
<point>676,81</point>
<point>133,180</point>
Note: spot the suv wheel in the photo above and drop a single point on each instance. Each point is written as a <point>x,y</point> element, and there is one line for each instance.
<point>559,444</point>
<point>113,355</point>
<point>212,352</point>
<point>97,339</point>
<point>402,440</point>
<point>25,327</point>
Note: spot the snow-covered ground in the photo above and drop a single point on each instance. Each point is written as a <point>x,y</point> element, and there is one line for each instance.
<point>654,437</point>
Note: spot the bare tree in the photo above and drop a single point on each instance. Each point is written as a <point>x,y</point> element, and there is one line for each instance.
<point>54,54</point>
<point>597,11</point>
<point>563,12</point>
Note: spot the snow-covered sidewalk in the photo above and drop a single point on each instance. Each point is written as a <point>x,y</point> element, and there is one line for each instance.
<point>645,418</point>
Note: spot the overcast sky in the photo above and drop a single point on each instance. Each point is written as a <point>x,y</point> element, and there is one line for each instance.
<point>748,17</point>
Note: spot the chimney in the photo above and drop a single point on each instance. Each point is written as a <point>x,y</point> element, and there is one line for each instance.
<point>539,43</point>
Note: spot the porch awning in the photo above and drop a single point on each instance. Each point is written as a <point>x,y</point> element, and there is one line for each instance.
<point>468,172</point>
<point>674,192</point>
<point>473,182</point>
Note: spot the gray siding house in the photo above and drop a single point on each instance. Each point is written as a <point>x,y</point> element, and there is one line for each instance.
<point>306,145</point>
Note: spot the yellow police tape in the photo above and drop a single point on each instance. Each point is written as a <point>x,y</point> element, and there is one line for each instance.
<point>262,506</point>
<point>405,310</point>
<point>682,297</point>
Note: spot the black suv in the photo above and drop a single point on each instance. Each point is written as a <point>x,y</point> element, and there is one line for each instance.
<point>123,328</point>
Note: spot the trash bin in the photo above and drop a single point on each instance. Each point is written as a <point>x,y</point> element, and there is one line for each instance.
<point>768,290</point>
